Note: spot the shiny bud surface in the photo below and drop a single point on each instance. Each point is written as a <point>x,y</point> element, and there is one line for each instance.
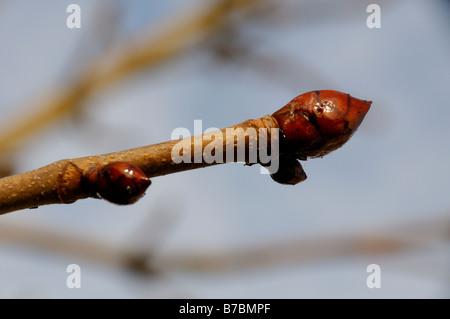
<point>318,122</point>
<point>120,183</point>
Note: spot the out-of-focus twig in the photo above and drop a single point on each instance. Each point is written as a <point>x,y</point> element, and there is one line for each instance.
<point>396,238</point>
<point>176,36</point>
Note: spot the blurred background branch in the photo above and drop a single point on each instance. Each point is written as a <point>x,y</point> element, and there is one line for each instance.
<point>140,251</point>
<point>185,31</point>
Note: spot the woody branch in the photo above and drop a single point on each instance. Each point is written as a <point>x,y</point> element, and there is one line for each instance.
<point>64,181</point>
<point>311,125</point>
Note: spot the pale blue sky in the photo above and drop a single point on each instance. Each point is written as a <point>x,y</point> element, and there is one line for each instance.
<point>394,170</point>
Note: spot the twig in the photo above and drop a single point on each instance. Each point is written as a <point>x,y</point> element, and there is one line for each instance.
<point>312,125</point>
<point>63,181</point>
